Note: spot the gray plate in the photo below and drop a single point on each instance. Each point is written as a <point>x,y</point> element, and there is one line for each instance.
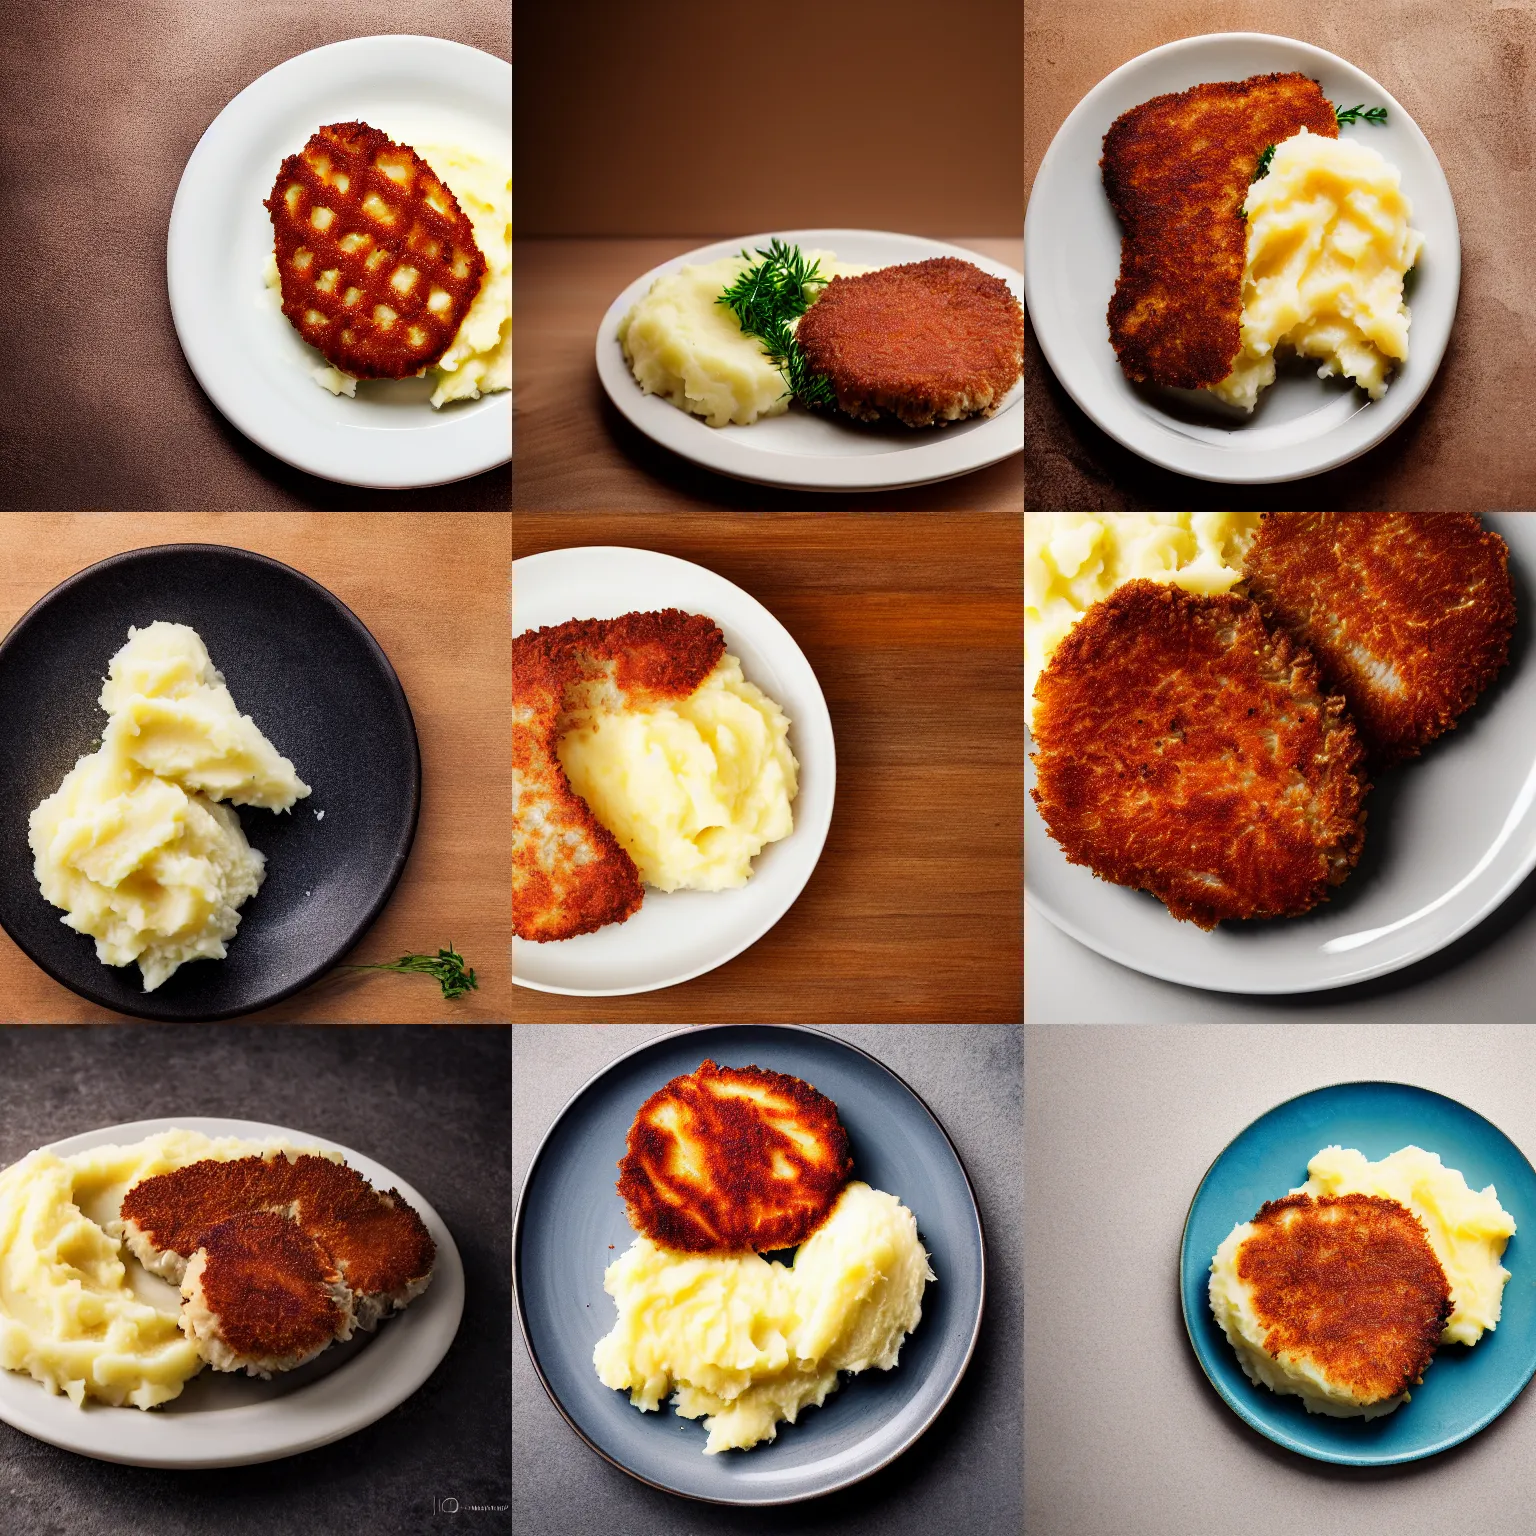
<point>570,1225</point>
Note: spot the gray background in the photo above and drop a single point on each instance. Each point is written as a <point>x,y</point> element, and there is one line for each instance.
<point>431,1105</point>
<point>1125,1436</point>
<point>1486,977</point>
<point>963,1475</point>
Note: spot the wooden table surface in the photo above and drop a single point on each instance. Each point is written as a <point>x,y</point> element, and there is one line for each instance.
<point>432,588</point>
<point>913,625</point>
<point>574,451</point>
<point>1465,74</point>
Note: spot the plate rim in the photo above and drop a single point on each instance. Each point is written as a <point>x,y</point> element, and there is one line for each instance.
<point>385,1402</point>
<point>825,830</point>
<point>611,374</point>
<point>233,411</point>
<point>144,1008</point>
<point>699,1032</point>
<point>1169,461</point>
<point>1246,1415</point>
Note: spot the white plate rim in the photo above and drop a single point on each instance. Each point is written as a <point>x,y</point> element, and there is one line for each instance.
<point>927,461</point>
<point>177,1442</point>
<point>1138,432</point>
<point>820,724</point>
<point>476,439</point>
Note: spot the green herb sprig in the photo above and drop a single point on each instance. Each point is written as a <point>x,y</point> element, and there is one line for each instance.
<point>765,299</point>
<point>446,967</point>
<point>1262,168</point>
<point>1360,114</point>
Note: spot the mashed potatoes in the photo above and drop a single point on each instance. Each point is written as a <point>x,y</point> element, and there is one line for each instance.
<point>1073,559</point>
<point>479,358</point>
<point>745,1343</point>
<point>76,1315</point>
<point>684,346</point>
<point>1328,247</point>
<point>133,845</point>
<point>694,789</point>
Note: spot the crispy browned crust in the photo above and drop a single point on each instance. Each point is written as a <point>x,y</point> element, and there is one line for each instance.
<point>1423,595</point>
<point>1181,748</point>
<point>708,1171</point>
<point>929,342</point>
<point>569,873</point>
<point>268,1284</point>
<point>380,1242</point>
<point>1176,170</point>
<point>1351,1282</point>
<point>412,224</point>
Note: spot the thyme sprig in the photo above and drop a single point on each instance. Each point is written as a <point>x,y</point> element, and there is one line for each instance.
<point>1360,114</point>
<point>1262,168</point>
<point>765,299</point>
<point>446,967</point>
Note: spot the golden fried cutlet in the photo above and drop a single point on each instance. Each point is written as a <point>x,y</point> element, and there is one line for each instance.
<point>928,343</point>
<point>1176,170</point>
<point>570,875</point>
<point>1409,614</point>
<point>1181,748</point>
<point>1350,1283</point>
<point>733,1160</point>
<point>378,262</point>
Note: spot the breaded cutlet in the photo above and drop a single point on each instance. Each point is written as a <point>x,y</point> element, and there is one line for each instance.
<point>1350,1284</point>
<point>570,875</point>
<point>1409,614</point>
<point>1182,748</point>
<point>1177,169</point>
<point>733,1160</point>
<point>928,342</point>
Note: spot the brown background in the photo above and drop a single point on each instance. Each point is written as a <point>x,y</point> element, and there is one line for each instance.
<point>432,587</point>
<point>912,623</point>
<point>1464,70</point>
<point>574,450</point>
<point>100,107</point>
<point>675,119</point>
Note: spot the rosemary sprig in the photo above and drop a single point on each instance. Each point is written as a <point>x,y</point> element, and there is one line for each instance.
<point>446,967</point>
<point>1360,114</point>
<point>765,299</point>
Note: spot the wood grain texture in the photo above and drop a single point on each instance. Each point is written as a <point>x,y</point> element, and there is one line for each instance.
<point>1466,74</point>
<point>576,452</point>
<point>913,624</point>
<point>432,588</point>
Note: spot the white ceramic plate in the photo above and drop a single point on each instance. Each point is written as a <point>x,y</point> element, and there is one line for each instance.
<point>801,449</point>
<point>681,934</point>
<point>232,1421</point>
<point>1303,425</point>
<point>253,364</point>
<point>1448,838</point>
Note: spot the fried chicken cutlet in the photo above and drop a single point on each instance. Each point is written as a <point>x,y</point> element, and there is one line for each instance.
<point>928,342</point>
<point>1176,170</point>
<point>570,874</point>
<point>377,261</point>
<point>1349,1286</point>
<point>1183,749</point>
<point>733,1160</point>
<point>1409,614</point>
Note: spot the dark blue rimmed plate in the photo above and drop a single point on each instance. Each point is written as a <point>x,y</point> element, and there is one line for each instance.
<point>570,1226</point>
<point>1465,1389</point>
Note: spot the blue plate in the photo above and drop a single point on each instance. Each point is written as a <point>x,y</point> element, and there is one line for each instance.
<point>570,1226</point>
<point>1465,1389</point>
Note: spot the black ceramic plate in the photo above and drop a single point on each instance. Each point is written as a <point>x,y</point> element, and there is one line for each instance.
<point>301,664</point>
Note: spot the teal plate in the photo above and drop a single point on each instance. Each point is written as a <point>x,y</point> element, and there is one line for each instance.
<point>1465,1389</point>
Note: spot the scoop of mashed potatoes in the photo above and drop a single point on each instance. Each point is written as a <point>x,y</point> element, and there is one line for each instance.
<point>1329,244</point>
<point>75,1313</point>
<point>134,845</point>
<point>746,1343</point>
<point>694,788</point>
<point>690,350</point>
<point>1074,559</point>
